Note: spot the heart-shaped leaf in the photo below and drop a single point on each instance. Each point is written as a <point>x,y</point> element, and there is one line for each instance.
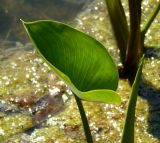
<point>81,61</point>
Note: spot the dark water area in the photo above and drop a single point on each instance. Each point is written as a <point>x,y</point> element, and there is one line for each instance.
<point>11,11</point>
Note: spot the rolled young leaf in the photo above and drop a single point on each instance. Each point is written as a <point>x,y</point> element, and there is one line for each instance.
<point>78,59</point>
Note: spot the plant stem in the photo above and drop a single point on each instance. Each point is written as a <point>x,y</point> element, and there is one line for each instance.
<point>135,48</point>
<point>121,31</point>
<point>84,120</point>
<point>150,20</point>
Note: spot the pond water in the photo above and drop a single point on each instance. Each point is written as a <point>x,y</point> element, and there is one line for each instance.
<point>36,107</point>
<point>11,11</point>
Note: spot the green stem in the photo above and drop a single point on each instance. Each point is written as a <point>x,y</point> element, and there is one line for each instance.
<point>84,120</point>
<point>121,31</point>
<point>150,20</point>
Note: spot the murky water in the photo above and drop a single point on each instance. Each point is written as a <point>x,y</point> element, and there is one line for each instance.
<point>11,11</point>
<point>36,107</point>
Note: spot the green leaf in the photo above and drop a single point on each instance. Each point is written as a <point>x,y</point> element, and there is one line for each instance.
<point>119,25</point>
<point>78,59</point>
<point>128,130</point>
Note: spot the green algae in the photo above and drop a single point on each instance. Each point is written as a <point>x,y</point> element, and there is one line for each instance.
<point>13,124</point>
<point>21,74</point>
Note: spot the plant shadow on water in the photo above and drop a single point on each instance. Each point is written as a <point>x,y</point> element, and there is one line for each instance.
<point>151,93</point>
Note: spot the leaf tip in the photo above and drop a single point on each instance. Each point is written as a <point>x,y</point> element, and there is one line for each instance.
<point>23,22</point>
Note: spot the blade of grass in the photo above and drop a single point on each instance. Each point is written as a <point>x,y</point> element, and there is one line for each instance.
<point>128,130</point>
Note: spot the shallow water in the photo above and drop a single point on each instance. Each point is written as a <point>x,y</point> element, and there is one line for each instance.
<point>11,11</point>
<point>27,85</point>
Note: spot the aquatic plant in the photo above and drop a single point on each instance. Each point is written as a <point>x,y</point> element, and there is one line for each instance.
<point>85,65</point>
<point>130,40</point>
<point>78,59</point>
<point>82,62</point>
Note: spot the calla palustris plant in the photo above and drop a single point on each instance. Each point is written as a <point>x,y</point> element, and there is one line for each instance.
<point>78,59</point>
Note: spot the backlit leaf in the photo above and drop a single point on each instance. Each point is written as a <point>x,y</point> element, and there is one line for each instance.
<point>78,59</point>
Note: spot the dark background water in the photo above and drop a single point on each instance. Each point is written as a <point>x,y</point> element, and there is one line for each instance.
<point>29,10</point>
